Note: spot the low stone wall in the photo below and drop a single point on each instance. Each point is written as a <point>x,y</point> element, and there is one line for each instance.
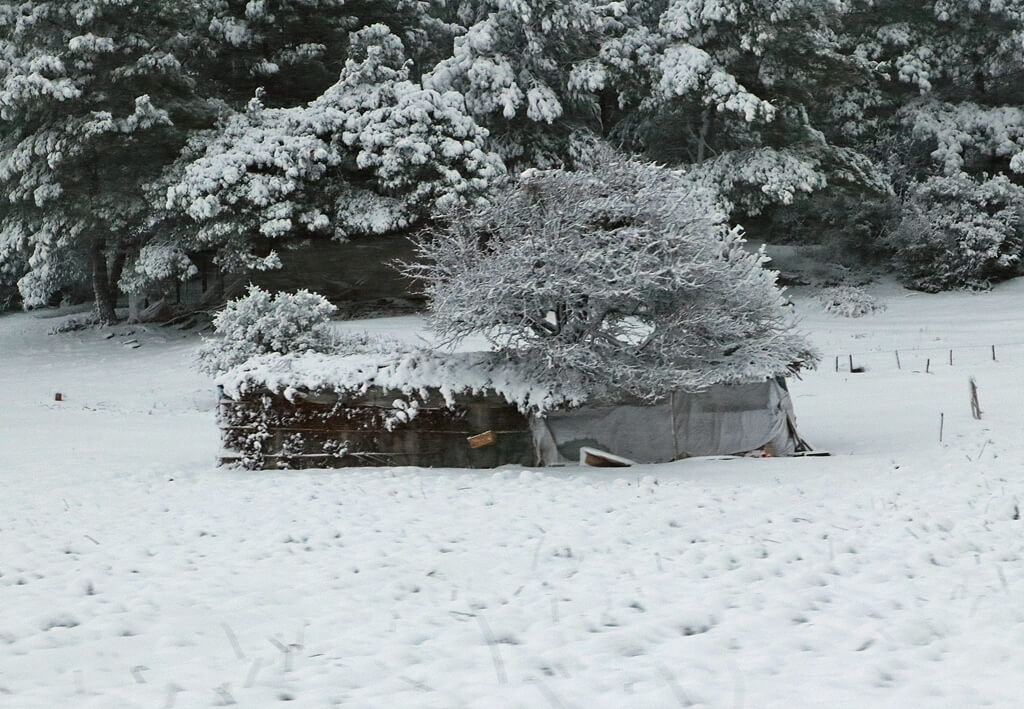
<point>328,430</point>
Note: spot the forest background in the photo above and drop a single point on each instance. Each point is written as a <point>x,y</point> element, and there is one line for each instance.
<point>138,139</point>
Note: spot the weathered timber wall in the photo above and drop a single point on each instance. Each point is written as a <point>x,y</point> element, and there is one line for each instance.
<point>325,430</point>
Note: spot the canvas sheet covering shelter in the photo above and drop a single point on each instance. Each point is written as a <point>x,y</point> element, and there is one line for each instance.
<point>726,419</point>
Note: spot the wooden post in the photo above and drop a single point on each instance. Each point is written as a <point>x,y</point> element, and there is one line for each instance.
<point>898,360</point>
<point>837,363</point>
<point>993,353</point>
<point>951,358</point>
<point>975,407</point>
<point>851,362</point>
<point>927,365</point>
<point>942,421</point>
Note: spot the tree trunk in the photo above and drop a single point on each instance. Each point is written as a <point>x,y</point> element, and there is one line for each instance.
<point>116,269</point>
<point>104,292</point>
<point>608,103</point>
<point>136,303</point>
<point>706,128</point>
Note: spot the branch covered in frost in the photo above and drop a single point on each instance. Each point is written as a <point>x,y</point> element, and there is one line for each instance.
<point>958,130</point>
<point>750,180</point>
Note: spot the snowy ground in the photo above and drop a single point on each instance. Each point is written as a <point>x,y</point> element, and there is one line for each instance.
<point>133,573</point>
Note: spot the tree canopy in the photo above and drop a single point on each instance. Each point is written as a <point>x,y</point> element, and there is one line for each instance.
<point>134,135</point>
<point>626,276</point>
<point>96,97</point>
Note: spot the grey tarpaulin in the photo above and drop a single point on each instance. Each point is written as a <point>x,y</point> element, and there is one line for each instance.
<point>726,419</point>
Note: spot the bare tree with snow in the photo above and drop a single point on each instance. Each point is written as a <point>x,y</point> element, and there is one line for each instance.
<point>627,276</point>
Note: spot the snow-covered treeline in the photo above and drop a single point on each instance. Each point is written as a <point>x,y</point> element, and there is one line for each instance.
<point>134,134</point>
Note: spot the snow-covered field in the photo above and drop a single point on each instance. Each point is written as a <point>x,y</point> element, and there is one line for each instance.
<point>134,573</point>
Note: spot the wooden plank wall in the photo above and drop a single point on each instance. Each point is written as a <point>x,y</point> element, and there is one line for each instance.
<point>324,430</point>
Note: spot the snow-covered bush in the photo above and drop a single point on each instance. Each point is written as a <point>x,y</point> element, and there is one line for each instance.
<point>849,301</point>
<point>958,232</point>
<point>262,322</point>
<point>627,277</point>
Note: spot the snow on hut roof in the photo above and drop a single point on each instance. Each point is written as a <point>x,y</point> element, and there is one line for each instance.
<point>410,372</point>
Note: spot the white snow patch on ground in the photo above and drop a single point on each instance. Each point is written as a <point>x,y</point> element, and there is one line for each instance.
<point>134,573</point>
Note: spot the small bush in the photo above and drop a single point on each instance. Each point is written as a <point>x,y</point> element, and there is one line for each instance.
<point>957,232</point>
<point>849,301</point>
<point>261,323</point>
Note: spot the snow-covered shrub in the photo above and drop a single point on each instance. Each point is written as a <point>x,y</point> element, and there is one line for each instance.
<point>262,322</point>
<point>364,343</point>
<point>627,277</point>
<point>849,301</point>
<point>959,232</point>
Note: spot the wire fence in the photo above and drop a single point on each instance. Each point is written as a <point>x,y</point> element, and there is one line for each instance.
<point>923,358</point>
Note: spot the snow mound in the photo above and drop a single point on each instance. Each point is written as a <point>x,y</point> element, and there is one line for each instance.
<point>411,372</point>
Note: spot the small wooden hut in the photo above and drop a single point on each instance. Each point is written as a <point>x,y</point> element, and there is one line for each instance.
<point>456,411</point>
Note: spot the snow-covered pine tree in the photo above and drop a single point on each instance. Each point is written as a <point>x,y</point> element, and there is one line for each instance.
<point>528,71</point>
<point>11,269</point>
<point>376,152</point>
<point>948,122</point>
<point>747,92</point>
<point>93,97</point>
<point>948,79</point>
<point>292,50</point>
<point>965,50</point>
<point>626,278</point>
<point>288,52</point>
